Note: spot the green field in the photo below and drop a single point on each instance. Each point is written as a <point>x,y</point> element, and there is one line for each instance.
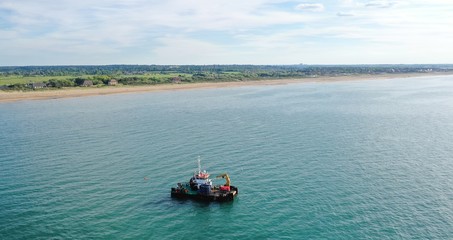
<point>7,80</point>
<point>19,77</point>
<point>155,75</point>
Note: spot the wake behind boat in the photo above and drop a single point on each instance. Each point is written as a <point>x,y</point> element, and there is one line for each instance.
<point>200,187</point>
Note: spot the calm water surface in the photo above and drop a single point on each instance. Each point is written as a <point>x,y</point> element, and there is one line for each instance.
<point>349,160</point>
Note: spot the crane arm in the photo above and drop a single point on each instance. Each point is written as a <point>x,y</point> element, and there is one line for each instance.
<point>226,177</point>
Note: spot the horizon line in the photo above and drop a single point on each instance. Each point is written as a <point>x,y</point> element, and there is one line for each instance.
<point>295,64</point>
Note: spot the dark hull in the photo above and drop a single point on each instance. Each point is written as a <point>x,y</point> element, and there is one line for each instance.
<point>215,196</point>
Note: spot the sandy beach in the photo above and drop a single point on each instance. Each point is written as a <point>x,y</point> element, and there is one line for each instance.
<point>12,96</point>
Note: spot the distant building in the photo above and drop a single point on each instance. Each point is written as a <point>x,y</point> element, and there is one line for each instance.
<point>87,83</point>
<point>112,82</point>
<point>38,85</point>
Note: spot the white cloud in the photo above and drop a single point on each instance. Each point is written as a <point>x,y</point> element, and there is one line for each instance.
<point>345,14</point>
<point>234,31</point>
<point>179,49</point>
<point>315,7</point>
<point>381,4</point>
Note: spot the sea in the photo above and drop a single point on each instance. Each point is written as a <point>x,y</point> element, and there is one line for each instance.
<point>326,160</point>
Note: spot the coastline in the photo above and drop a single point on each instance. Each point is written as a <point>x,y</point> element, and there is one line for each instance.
<point>15,96</point>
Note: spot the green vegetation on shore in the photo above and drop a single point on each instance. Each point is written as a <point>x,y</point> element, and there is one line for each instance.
<point>50,77</point>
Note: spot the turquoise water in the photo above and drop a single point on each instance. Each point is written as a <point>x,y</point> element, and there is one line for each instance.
<point>347,160</point>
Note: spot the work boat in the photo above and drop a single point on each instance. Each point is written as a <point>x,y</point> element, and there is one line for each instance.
<point>200,187</point>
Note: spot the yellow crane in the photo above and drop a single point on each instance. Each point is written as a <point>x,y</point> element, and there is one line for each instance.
<point>226,177</point>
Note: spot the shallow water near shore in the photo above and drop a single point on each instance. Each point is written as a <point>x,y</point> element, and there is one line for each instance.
<point>343,160</point>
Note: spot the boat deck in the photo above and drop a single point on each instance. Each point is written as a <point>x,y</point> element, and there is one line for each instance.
<point>184,191</point>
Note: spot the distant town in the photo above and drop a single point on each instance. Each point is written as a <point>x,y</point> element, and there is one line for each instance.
<point>32,78</point>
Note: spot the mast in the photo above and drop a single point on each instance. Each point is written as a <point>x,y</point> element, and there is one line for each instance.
<point>199,164</point>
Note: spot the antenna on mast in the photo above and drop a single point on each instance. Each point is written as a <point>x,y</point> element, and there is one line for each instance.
<point>199,164</point>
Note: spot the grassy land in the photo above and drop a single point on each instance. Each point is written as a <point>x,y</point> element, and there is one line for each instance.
<point>155,75</point>
<point>54,77</point>
<point>7,80</point>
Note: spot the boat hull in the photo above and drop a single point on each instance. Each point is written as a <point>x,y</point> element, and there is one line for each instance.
<point>213,196</point>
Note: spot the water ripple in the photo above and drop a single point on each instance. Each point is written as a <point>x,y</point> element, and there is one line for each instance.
<point>316,161</point>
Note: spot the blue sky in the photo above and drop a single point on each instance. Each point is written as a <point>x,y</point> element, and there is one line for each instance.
<point>50,32</point>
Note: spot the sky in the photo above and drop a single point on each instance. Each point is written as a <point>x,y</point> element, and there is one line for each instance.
<point>100,32</point>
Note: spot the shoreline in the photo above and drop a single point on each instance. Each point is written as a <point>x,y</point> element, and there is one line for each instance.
<point>15,96</point>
